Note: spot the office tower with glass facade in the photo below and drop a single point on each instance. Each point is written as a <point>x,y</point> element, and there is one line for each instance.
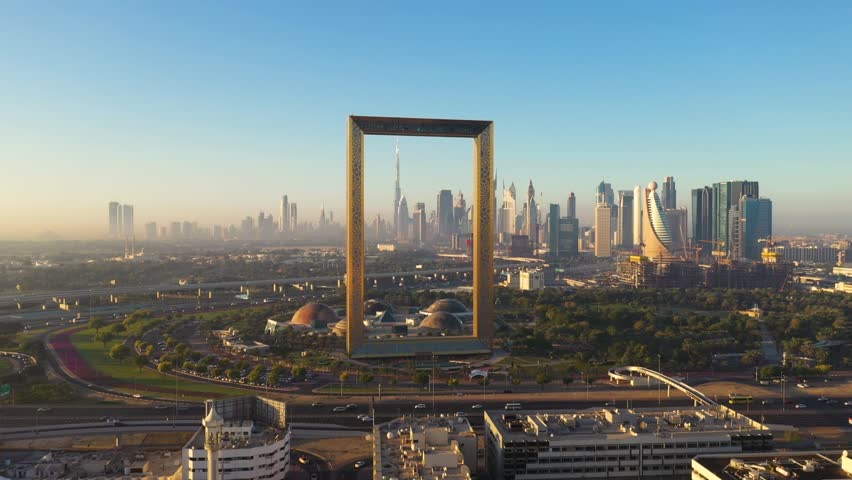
<point>725,196</point>
<point>624,235</point>
<point>702,219</point>
<point>669,194</point>
<point>572,206</point>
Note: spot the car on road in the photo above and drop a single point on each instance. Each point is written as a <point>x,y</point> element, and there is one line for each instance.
<point>766,402</point>
<point>160,407</point>
<point>366,418</point>
<point>461,414</point>
<point>420,406</point>
<point>304,460</point>
<point>136,395</point>
<point>831,401</point>
<point>802,385</point>
<point>44,409</point>
<point>339,409</point>
<point>801,405</point>
<point>317,404</point>
<point>314,476</point>
<point>360,464</point>
<point>351,406</point>
<point>361,416</point>
<point>822,398</point>
<point>850,420</point>
<point>847,403</point>
<point>477,407</point>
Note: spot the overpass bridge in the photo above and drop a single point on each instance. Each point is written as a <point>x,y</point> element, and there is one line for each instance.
<point>629,373</point>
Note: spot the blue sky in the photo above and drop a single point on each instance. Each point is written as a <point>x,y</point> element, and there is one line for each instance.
<point>210,112</point>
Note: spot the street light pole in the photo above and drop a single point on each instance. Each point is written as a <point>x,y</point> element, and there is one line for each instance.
<point>659,383</point>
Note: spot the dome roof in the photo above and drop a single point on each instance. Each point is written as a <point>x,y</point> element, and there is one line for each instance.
<point>373,306</point>
<point>314,313</point>
<point>340,328</point>
<point>447,305</point>
<point>442,321</point>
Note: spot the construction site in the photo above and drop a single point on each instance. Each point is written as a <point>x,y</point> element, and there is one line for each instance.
<point>681,272</point>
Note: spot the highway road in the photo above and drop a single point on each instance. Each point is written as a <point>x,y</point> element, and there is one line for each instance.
<point>6,300</point>
<point>27,415</point>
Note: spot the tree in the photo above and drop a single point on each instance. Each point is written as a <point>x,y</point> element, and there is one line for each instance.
<point>542,379</point>
<point>232,373</point>
<point>149,350</point>
<point>188,365</point>
<point>104,337</point>
<point>165,367</point>
<point>119,352</point>
<point>118,328</point>
<point>140,361</point>
<point>97,323</point>
<point>299,371</point>
<point>420,378</point>
<point>751,358</point>
<point>182,349</point>
<point>366,377</point>
<point>453,382</point>
<point>567,381</point>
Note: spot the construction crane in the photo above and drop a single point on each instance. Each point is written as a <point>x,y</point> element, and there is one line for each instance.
<point>716,253</point>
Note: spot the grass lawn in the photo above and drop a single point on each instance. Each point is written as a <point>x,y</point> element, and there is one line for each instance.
<point>6,367</point>
<point>94,353</point>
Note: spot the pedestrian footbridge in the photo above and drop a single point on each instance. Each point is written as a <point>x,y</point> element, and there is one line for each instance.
<point>629,373</point>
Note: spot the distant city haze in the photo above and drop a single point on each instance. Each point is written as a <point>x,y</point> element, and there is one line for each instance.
<point>211,112</point>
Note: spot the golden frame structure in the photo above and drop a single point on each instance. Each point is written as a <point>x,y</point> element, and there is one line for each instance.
<point>482,133</point>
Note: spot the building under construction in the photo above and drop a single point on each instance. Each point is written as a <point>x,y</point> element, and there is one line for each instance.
<point>640,271</point>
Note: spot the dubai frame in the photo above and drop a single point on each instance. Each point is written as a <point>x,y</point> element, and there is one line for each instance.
<point>482,133</point>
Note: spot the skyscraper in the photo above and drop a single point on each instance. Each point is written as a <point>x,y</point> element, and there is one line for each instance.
<point>750,226</point>
<point>509,210</point>
<point>114,224</point>
<point>604,194</point>
<point>402,220</point>
<point>445,214</point>
<point>624,238</point>
<point>669,194</point>
<point>569,229</point>
<point>284,215</point>
<point>638,211</point>
<point>420,224</point>
<point>656,235</point>
<point>127,228</point>
<point>702,219</point>
<point>725,196</point>
<point>677,228</point>
<point>151,230</point>
<point>572,206</point>
<point>460,214</point>
<point>397,193</point>
<point>531,220</point>
<point>553,230</point>
<point>603,230</point>
<point>294,217</point>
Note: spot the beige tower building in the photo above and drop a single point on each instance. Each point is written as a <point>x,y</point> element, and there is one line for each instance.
<point>603,230</point>
<point>656,235</point>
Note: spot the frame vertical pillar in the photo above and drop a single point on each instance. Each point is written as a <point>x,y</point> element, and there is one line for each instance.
<point>355,237</point>
<point>483,236</point>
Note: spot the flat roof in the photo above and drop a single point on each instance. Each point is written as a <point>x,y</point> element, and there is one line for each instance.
<point>735,467</point>
<point>621,425</point>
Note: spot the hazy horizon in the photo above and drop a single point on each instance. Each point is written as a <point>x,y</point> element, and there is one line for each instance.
<point>210,113</point>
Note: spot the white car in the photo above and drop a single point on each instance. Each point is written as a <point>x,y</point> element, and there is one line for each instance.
<point>802,385</point>
<point>304,460</point>
<point>477,407</point>
<point>360,464</point>
<point>847,403</point>
<point>366,418</point>
<point>420,406</point>
<point>339,409</point>
<point>801,405</point>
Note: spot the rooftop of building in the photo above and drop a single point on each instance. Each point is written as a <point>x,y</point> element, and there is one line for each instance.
<point>621,425</point>
<point>156,464</point>
<point>780,465</point>
<point>247,422</point>
<point>435,454</point>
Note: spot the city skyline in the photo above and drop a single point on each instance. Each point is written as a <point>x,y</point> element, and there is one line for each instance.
<point>580,93</point>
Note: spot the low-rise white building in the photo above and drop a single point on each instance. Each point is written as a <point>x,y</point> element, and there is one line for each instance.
<point>247,437</point>
<point>770,465</point>
<point>613,443</point>
<point>430,448</point>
